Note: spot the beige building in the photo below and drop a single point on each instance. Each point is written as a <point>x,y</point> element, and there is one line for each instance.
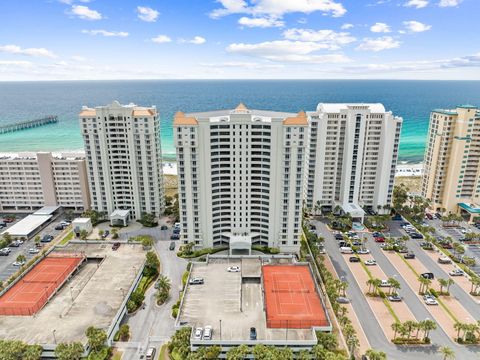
<point>451,179</point>
<point>241,177</point>
<point>124,159</point>
<point>29,181</point>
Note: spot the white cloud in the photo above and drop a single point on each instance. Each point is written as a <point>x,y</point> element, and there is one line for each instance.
<point>346,26</point>
<point>15,63</point>
<point>378,44</point>
<point>286,51</point>
<point>278,8</point>
<point>380,28</point>
<point>418,4</point>
<point>37,52</point>
<point>147,14</point>
<point>329,39</point>
<point>262,22</point>
<point>197,40</point>
<point>449,3</point>
<point>244,65</point>
<point>415,26</point>
<point>106,33</point>
<point>83,12</point>
<point>78,58</point>
<point>161,39</point>
<point>472,61</point>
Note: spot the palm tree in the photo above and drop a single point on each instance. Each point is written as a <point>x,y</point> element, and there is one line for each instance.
<point>164,283</point>
<point>424,284</point>
<point>376,354</point>
<point>394,285</point>
<point>396,327</point>
<point>450,282</point>
<point>475,280</point>
<point>371,284</point>
<point>447,353</point>
<point>410,325</point>
<point>443,283</point>
<point>427,326</point>
<point>459,327</point>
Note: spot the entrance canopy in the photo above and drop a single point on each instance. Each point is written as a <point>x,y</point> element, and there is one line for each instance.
<point>240,244</point>
<point>121,217</point>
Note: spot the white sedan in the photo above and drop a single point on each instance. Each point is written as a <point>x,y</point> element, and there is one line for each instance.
<point>233,269</point>
<point>370,262</point>
<point>18,263</point>
<point>33,251</point>
<point>456,272</point>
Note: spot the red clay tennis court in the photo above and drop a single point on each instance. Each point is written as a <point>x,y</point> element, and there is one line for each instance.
<point>291,299</point>
<point>32,292</point>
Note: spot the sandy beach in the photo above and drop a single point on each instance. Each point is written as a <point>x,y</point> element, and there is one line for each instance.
<point>409,170</point>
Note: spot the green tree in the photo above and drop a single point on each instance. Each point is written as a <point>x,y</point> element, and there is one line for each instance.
<point>32,352</point>
<point>148,220</point>
<point>147,241</point>
<point>447,353</point>
<point>114,233</point>
<point>152,264</point>
<point>37,239</point>
<point>96,338</point>
<point>187,249</point>
<point>394,285</point>
<point>21,258</point>
<point>376,355</point>
<point>180,342</point>
<point>69,351</point>
<point>396,327</point>
<point>95,216</point>
<point>261,352</point>
<point>124,332</point>
<point>327,340</point>
<point>7,238</point>
<point>83,234</point>
<point>427,326</point>
<point>238,352</point>
<point>18,350</point>
<point>100,232</point>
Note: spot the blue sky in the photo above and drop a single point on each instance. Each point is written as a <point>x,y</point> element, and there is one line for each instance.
<point>246,39</point>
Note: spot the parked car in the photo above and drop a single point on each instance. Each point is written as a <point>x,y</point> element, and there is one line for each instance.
<point>59,227</point>
<point>115,246</point>
<point>444,260</point>
<point>33,251</point>
<point>207,333</point>
<point>164,227</point>
<point>426,246</point>
<point>233,269</point>
<point>416,235</point>
<point>47,238</point>
<point>428,275</point>
<point>196,281</point>
<point>175,237</point>
<point>346,250</point>
<point>8,219</point>
<point>353,259</point>
<point>456,272</point>
<point>198,333</point>
<point>370,262</point>
<point>150,354</point>
<point>384,283</point>
<point>253,333</point>
<point>363,251</point>
<point>18,263</point>
<point>430,300</point>
<point>409,256</point>
<point>4,252</point>
<point>446,245</point>
<point>379,239</point>
<point>429,216</point>
<point>16,243</point>
<point>172,246</point>
<point>394,298</point>
<point>343,300</point>
<point>105,234</point>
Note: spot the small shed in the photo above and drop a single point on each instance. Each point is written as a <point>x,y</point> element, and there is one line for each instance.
<point>80,224</point>
<point>120,217</point>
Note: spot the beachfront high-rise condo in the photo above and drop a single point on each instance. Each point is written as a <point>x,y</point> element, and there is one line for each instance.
<point>451,179</point>
<point>241,177</point>
<point>29,181</point>
<point>124,160</point>
<point>353,150</point>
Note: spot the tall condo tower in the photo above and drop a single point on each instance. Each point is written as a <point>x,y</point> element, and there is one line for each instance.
<point>241,177</point>
<point>353,150</point>
<point>124,165</point>
<point>451,180</point>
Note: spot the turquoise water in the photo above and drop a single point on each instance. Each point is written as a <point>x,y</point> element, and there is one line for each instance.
<point>413,100</point>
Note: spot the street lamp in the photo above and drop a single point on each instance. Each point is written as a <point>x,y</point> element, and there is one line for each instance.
<point>71,292</point>
<point>54,337</point>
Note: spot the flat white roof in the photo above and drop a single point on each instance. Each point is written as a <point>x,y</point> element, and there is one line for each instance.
<point>122,213</point>
<point>81,221</point>
<point>25,226</point>
<point>337,107</point>
<point>353,209</point>
<point>46,210</point>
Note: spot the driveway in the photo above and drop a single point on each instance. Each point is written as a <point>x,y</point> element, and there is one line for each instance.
<point>154,325</point>
<point>366,317</point>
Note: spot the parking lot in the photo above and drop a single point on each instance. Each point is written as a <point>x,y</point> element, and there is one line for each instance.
<point>376,322</point>
<point>6,262</point>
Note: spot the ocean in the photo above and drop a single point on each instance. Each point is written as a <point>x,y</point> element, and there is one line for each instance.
<point>412,100</point>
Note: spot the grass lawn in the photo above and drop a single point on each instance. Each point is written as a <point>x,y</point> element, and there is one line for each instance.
<point>117,355</point>
<point>67,238</point>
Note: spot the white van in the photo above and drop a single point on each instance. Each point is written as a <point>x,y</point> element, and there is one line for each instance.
<point>207,333</point>
<point>150,354</point>
<point>346,250</point>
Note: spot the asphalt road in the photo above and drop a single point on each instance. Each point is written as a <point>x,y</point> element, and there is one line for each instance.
<point>154,325</point>
<point>367,318</point>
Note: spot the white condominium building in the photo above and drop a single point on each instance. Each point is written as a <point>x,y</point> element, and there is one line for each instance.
<point>352,157</point>
<point>29,181</point>
<point>451,179</point>
<point>241,177</point>
<point>124,166</point>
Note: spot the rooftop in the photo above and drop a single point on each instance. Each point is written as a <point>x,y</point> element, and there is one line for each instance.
<point>338,107</point>
<point>233,302</point>
<point>98,289</point>
<point>27,225</point>
<point>46,210</point>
